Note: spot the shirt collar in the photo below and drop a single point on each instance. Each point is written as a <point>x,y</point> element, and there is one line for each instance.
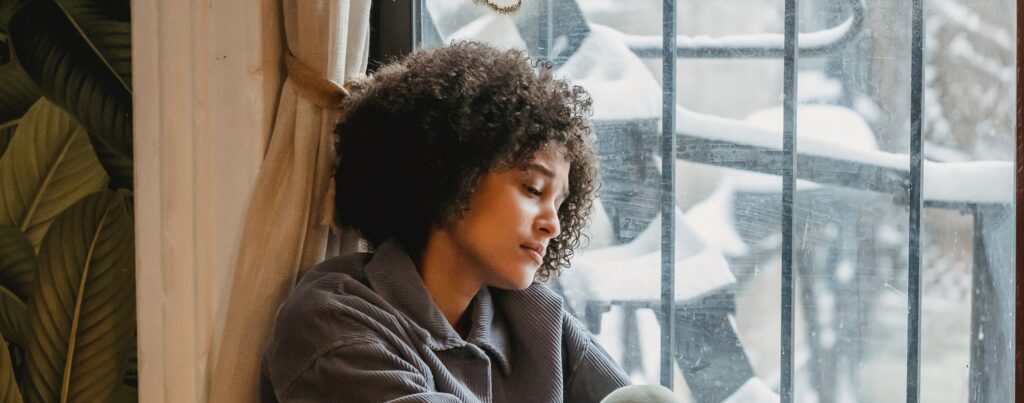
<point>489,331</point>
<point>393,275</point>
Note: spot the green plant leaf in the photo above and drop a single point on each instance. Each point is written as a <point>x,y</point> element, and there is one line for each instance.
<point>107,26</point>
<point>70,71</point>
<point>6,134</point>
<point>48,166</point>
<point>82,312</point>
<point>8,385</point>
<point>126,394</point>
<point>17,262</point>
<point>131,372</point>
<point>18,269</point>
<point>13,317</point>
<point>7,7</point>
<point>113,39</point>
<point>102,10</point>
<point>17,91</point>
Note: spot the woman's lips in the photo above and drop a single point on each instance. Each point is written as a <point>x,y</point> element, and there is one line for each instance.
<point>536,256</point>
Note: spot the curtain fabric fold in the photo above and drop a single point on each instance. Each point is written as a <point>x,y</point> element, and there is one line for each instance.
<point>288,220</point>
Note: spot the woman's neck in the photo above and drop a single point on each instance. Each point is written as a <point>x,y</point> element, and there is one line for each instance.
<point>450,280</point>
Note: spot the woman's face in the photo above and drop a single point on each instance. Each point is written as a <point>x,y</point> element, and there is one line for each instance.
<point>512,216</point>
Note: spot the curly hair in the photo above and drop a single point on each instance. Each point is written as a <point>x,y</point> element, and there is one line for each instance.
<point>419,134</point>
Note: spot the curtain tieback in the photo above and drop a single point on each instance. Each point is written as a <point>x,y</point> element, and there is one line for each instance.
<point>313,87</point>
<point>327,95</point>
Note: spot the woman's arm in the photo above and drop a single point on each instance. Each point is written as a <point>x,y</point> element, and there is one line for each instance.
<point>365,372</point>
<point>591,374</point>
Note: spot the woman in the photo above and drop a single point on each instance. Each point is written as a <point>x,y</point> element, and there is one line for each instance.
<point>472,176</point>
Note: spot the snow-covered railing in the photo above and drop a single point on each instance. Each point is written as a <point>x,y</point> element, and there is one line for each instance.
<point>734,144</point>
<point>961,184</point>
<point>771,45</point>
<point>730,143</point>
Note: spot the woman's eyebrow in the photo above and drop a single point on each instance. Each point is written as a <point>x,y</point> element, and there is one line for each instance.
<point>542,169</point>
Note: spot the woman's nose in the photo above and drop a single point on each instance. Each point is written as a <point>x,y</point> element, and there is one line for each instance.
<point>548,222</point>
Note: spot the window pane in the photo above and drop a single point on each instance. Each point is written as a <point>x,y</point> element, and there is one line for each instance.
<point>852,239</point>
<point>967,323</point>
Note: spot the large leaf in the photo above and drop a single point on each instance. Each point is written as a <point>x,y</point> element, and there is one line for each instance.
<point>6,134</point>
<point>82,313</point>
<point>71,71</point>
<point>113,39</point>
<point>105,10</point>
<point>17,272</point>
<point>106,25</point>
<point>8,385</point>
<point>48,166</point>
<point>126,394</point>
<point>13,317</point>
<point>6,8</point>
<point>18,264</point>
<point>17,91</point>
<point>131,372</point>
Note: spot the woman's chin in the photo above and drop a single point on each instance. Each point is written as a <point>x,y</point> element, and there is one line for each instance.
<point>517,283</point>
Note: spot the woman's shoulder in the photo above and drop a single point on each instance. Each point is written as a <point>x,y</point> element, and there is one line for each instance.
<point>330,307</point>
<point>332,285</point>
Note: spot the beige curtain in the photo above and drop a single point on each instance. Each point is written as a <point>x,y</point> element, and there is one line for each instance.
<point>286,226</point>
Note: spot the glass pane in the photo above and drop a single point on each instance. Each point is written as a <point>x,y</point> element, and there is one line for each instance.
<point>852,240</point>
<point>851,237</point>
<point>967,323</point>
<point>728,196</point>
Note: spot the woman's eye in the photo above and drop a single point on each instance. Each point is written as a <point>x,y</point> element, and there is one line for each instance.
<point>532,190</point>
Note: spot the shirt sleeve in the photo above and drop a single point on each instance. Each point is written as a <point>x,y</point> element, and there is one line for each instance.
<point>592,374</point>
<point>366,372</point>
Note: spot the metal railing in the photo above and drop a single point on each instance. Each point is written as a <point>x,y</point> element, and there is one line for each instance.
<point>812,44</point>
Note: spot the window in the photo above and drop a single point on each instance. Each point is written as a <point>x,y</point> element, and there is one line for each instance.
<point>899,279</point>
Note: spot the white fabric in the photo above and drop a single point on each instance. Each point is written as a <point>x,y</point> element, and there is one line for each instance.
<point>286,226</point>
<point>642,394</point>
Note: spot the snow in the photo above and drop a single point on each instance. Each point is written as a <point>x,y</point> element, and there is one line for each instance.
<point>600,232</point>
<point>969,21</point>
<point>825,123</point>
<point>617,80</point>
<point>713,220</point>
<point>813,85</point>
<point>768,40</point>
<point>754,390</point>
<point>963,49</point>
<point>495,29</point>
<point>978,182</point>
<point>623,88</point>
<point>632,271</point>
<point>865,107</point>
<point>845,271</point>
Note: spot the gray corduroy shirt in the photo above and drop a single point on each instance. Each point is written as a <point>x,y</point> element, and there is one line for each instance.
<point>363,328</point>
